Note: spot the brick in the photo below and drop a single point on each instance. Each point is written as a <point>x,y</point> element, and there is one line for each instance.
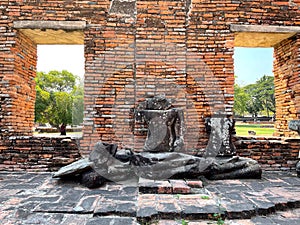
<point>180,187</point>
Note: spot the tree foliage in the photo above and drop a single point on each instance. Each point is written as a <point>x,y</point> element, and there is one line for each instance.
<point>59,98</point>
<point>240,100</point>
<point>264,92</point>
<point>255,98</point>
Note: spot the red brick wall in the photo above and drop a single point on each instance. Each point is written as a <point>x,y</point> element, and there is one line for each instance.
<point>18,87</point>
<point>37,153</point>
<point>182,49</point>
<point>49,154</point>
<point>286,78</point>
<point>271,153</point>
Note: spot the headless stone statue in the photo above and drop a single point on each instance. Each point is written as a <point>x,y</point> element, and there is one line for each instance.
<point>165,125</point>
<point>295,126</point>
<point>220,129</point>
<point>162,158</point>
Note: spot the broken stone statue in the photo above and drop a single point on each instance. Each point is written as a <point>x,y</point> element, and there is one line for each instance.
<point>298,168</point>
<point>161,158</point>
<point>295,126</point>
<point>165,125</point>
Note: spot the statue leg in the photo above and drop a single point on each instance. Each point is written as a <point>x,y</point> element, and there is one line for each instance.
<point>108,166</point>
<point>234,168</point>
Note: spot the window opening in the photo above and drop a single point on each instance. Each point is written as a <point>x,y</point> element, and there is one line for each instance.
<point>254,100</point>
<point>59,86</point>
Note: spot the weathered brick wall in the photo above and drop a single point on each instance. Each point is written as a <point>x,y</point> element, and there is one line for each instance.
<point>49,154</point>
<point>271,153</point>
<point>37,153</point>
<point>183,49</point>
<point>286,78</point>
<point>18,57</point>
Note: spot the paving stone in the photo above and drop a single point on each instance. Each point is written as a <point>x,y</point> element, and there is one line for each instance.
<point>105,206</point>
<point>164,187</point>
<point>284,221</point>
<point>146,214</point>
<point>72,195</point>
<point>128,190</point>
<point>147,186</point>
<point>180,187</point>
<point>61,207</point>
<point>294,181</point>
<point>3,199</point>
<point>87,204</point>
<point>42,199</point>
<point>235,188</point>
<point>104,192</point>
<point>126,209</point>
<point>123,197</point>
<point>194,183</point>
<point>262,205</point>
<point>51,203</point>
<point>239,210</point>
<point>193,212</point>
<point>279,202</point>
<point>20,186</point>
<point>239,196</point>
<point>256,186</point>
<point>167,206</point>
<point>75,219</point>
<point>44,218</point>
<point>262,221</point>
<point>111,221</point>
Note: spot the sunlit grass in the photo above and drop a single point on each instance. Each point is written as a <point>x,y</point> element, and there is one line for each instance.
<point>242,129</point>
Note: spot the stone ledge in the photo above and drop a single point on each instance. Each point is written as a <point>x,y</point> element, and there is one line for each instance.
<point>56,25</point>
<point>264,29</point>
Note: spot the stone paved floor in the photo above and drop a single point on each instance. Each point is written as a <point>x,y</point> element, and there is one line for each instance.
<point>36,198</point>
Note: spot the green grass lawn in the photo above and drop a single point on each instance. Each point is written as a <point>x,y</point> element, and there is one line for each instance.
<point>242,129</point>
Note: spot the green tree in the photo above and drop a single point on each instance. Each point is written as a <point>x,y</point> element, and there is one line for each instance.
<point>264,91</point>
<point>254,105</point>
<point>56,97</point>
<point>261,95</point>
<point>241,98</point>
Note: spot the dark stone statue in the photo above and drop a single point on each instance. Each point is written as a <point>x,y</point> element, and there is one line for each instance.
<point>295,126</point>
<point>127,165</point>
<point>298,169</point>
<point>165,125</point>
<point>161,158</point>
<point>220,128</point>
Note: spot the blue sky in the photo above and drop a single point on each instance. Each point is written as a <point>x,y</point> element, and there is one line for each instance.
<point>249,63</point>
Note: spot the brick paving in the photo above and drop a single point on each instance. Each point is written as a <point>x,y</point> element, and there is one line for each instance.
<point>37,198</point>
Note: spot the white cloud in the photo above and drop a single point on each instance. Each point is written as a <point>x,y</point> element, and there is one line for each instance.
<point>61,57</point>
